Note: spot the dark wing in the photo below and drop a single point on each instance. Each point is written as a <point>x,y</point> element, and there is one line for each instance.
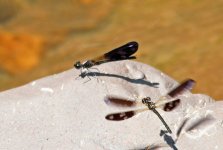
<point>119,116</point>
<point>171,105</point>
<point>186,85</point>
<point>122,52</point>
<point>120,102</point>
<point>168,106</point>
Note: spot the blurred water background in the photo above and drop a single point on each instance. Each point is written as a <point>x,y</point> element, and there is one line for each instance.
<point>181,38</point>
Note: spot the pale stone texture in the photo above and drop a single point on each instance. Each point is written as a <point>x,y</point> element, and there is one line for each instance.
<point>63,112</point>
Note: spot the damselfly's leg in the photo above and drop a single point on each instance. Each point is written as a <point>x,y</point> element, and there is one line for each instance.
<point>95,69</point>
<point>80,75</point>
<point>94,74</point>
<point>77,77</point>
<point>85,72</point>
<point>89,79</point>
<point>82,69</point>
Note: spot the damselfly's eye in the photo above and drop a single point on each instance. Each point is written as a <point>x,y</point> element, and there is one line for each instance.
<point>77,65</point>
<point>146,100</point>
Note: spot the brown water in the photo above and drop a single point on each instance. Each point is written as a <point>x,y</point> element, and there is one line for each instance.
<point>181,38</point>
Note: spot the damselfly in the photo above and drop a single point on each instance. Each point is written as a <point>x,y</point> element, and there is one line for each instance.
<point>168,103</point>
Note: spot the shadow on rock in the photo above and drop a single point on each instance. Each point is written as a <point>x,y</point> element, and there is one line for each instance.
<point>168,139</point>
<point>136,81</point>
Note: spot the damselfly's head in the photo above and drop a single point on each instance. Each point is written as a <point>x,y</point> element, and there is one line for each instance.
<point>78,65</point>
<point>146,100</point>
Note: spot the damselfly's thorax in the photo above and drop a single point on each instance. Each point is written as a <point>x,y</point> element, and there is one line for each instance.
<point>87,64</point>
<point>148,102</point>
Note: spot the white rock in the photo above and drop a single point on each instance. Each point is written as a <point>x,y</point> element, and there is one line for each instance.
<point>64,113</point>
